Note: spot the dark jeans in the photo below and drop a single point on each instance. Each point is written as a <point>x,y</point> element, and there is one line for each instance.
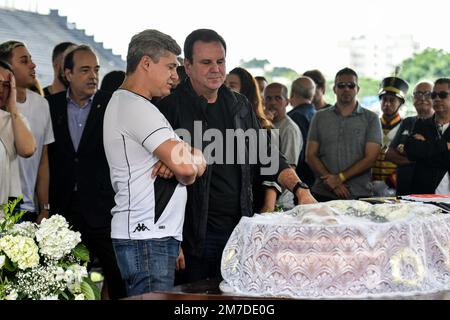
<point>147,265</point>
<point>28,216</point>
<point>208,265</point>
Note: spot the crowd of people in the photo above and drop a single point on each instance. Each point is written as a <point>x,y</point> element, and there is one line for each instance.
<point>157,167</point>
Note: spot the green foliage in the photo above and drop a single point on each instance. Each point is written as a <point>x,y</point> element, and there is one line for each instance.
<point>90,290</point>
<point>254,63</point>
<point>428,64</point>
<point>10,217</point>
<point>81,252</point>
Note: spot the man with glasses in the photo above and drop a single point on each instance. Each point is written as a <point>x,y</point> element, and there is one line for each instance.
<point>343,143</point>
<point>405,168</point>
<point>392,96</point>
<point>429,144</point>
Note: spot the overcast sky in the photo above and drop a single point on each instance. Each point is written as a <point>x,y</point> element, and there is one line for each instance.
<point>292,33</point>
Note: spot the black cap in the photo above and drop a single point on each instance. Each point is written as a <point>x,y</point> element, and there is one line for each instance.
<point>395,86</point>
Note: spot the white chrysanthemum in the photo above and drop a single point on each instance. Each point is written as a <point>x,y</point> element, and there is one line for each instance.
<point>2,261</point>
<point>21,250</point>
<point>26,229</point>
<point>74,277</point>
<point>55,238</point>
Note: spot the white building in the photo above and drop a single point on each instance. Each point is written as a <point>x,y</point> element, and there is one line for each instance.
<point>376,56</point>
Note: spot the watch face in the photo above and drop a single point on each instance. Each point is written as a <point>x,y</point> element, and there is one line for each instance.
<point>304,185</point>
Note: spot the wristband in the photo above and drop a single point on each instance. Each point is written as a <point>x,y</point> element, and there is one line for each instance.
<point>342,177</point>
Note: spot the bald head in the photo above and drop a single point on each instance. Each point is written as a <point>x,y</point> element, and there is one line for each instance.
<point>422,99</point>
<point>302,90</point>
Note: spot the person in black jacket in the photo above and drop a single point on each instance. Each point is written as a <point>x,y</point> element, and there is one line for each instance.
<point>429,145</point>
<point>218,199</point>
<point>80,186</point>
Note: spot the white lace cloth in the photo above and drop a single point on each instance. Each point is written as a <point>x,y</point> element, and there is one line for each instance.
<point>340,249</point>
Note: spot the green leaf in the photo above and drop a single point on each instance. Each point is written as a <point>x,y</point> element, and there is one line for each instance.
<point>90,290</point>
<point>9,265</point>
<point>64,295</point>
<point>81,252</point>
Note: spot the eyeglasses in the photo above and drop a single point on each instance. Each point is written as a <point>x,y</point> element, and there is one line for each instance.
<point>343,85</point>
<point>440,94</point>
<point>422,94</point>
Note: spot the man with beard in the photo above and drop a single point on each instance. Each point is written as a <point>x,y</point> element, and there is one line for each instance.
<point>59,82</point>
<point>392,96</point>
<point>343,143</point>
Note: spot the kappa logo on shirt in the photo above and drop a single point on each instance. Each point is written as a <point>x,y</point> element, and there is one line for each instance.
<point>141,227</point>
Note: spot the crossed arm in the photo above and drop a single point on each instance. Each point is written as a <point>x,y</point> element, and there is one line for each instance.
<point>179,159</point>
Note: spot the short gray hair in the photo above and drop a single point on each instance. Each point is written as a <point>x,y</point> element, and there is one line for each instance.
<point>152,43</point>
<point>299,89</point>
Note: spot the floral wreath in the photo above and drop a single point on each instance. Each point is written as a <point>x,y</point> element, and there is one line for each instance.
<point>407,255</point>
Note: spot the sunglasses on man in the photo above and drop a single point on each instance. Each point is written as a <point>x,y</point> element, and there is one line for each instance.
<point>440,94</point>
<point>343,85</point>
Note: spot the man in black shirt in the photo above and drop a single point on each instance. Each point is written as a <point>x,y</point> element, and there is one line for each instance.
<point>218,200</point>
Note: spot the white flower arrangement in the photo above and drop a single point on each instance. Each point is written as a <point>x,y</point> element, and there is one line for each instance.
<point>42,262</point>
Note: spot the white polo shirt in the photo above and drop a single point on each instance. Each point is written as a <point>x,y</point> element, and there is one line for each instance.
<point>133,128</point>
<point>37,112</point>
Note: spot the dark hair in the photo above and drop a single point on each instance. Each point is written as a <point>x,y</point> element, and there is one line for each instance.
<point>60,48</point>
<point>443,81</point>
<point>249,88</point>
<point>181,71</point>
<point>68,59</point>
<point>204,35</point>
<point>317,77</point>
<point>261,78</point>
<point>346,71</point>
<point>6,49</point>
<point>6,65</point>
<point>112,81</point>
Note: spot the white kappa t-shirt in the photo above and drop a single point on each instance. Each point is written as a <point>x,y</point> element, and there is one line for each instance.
<point>132,129</point>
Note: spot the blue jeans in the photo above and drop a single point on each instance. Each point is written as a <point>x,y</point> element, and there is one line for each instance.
<point>147,265</point>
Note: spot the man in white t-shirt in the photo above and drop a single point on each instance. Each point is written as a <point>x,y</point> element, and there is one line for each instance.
<point>148,218</point>
<point>34,172</point>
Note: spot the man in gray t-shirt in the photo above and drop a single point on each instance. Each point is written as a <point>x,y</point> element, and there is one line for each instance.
<point>343,144</point>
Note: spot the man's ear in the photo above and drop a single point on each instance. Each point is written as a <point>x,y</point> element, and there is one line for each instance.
<point>68,75</point>
<point>146,63</point>
<point>187,66</point>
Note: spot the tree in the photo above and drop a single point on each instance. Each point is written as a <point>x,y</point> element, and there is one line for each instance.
<point>429,64</point>
<point>254,63</point>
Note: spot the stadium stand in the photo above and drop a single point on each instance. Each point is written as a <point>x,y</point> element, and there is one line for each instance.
<point>41,32</point>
